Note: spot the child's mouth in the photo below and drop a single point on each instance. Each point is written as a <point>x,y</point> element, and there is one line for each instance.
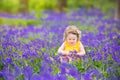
<point>72,43</point>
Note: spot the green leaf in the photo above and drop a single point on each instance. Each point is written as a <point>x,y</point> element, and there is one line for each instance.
<point>20,77</point>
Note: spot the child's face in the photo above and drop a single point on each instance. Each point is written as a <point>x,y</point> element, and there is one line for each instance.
<point>72,38</point>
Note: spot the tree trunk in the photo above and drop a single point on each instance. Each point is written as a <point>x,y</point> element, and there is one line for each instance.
<point>23,6</point>
<point>61,4</point>
<point>117,12</point>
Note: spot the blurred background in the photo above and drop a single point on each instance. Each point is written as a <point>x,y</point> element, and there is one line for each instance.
<point>36,7</point>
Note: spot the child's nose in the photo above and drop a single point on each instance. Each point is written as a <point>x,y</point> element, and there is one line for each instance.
<point>72,40</point>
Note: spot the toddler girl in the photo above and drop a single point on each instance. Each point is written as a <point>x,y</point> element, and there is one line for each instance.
<point>72,45</point>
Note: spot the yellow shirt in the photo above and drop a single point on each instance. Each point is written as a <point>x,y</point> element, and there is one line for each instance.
<point>69,47</point>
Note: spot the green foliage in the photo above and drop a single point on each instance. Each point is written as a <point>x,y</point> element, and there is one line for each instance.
<point>69,77</point>
<point>36,6</point>
<point>1,66</point>
<point>106,4</point>
<point>98,64</point>
<point>2,79</point>
<point>117,71</point>
<point>26,40</point>
<point>17,22</point>
<point>9,5</point>
<point>55,69</point>
<point>20,77</point>
<point>35,64</point>
<point>80,66</point>
<point>39,5</point>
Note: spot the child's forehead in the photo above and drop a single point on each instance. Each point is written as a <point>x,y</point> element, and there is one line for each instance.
<point>71,35</point>
<point>72,32</point>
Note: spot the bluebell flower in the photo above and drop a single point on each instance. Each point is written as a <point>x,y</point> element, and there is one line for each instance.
<point>8,60</point>
<point>28,71</point>
<point>0,52</point>
<point>60,77</point>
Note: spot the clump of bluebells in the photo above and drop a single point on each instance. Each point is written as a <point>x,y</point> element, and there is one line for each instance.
<point>30,53</point>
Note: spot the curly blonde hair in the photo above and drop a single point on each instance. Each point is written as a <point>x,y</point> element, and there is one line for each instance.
<point>72,29</point>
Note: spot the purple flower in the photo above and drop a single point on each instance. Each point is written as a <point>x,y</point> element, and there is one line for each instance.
<point>27,71</point>
<point>7,74</point>
<point>74,72</point>
<point>36,77</point>
<point>8,60</point>
<point>17,71</point>
<point>48,76</point>
<point>61,77</point>
<point>0,52</point>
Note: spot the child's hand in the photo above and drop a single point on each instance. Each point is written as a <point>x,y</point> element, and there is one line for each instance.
<point>78,54</point>
<point>65,53</point>
<point>72,53</point>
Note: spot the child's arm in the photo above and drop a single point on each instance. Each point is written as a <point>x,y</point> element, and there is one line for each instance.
<point>82,50</point>
<point>61,50</point>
